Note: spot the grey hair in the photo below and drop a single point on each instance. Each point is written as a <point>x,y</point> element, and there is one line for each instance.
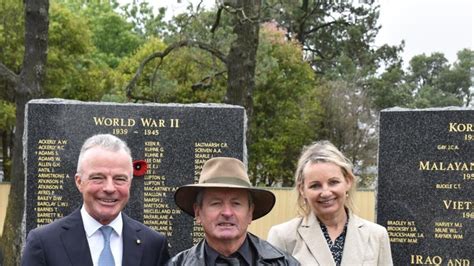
<point>105,141</point>
<point>323,151</point>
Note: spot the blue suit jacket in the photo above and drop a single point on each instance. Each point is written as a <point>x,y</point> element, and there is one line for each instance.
<point>64,242</point>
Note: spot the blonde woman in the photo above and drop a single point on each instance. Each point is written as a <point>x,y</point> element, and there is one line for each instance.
<point>328,232</point>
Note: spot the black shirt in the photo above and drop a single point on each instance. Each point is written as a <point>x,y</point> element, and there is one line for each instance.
<point>244,254</point>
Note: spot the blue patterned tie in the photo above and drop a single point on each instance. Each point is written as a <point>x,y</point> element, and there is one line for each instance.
<point>106,258</point>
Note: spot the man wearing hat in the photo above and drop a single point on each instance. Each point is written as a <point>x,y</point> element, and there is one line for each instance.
<point>225,203</point>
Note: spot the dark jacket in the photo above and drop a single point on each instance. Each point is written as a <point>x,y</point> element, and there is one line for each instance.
<point>265,253</point>
<point>64,243</point>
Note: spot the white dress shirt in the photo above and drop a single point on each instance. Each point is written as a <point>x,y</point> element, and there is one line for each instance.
<point>96,240</point>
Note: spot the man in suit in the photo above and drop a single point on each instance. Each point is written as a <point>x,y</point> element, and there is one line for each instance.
<point>98,233</point>
<point>225,203</point>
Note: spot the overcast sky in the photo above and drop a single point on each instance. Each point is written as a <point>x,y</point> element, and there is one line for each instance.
<point>427,26</point>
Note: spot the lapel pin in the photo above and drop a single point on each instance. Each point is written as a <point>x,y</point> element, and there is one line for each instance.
<point>139,241</point>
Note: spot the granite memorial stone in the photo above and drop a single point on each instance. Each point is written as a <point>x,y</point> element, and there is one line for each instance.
<point>174,139</point>
<point>425,185</point>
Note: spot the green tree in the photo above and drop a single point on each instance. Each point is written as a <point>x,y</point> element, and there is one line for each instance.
<point>113,36</point>
<point>328,29</point>
<point>11,35</point>
<point>143,19</point>
<point>11,52</point>
<point>73,72</point>
<point>434,82</point>
<point>425,70</point>
<point>458,79</point>
<point>26,85</point>
<point>390,89</point>
<point>429,81</point>
<point>240,60</point>
<point>287,108</point>
<point>188,77</point>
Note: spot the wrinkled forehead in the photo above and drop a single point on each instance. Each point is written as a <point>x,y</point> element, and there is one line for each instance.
<point>225,193</point>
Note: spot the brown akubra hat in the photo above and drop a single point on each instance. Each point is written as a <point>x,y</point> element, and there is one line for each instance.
<point>224,172</point>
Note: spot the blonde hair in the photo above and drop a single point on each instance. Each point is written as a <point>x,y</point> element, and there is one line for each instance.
<point>323,151</point>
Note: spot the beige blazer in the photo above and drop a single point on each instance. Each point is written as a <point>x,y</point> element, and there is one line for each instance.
<point>366,243</point>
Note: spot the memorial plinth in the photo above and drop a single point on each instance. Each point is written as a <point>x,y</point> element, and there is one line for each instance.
<point>425,185</point>
<point>174,139</point>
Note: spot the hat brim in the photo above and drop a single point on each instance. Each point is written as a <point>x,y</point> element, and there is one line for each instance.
<point>263,200</point>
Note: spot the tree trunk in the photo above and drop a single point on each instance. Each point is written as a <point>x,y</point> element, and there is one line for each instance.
<point>242,57</point>
<point>29,86</point>
<point>6,144</point>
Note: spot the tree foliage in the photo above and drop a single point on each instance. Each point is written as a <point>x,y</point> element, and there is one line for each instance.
<point>26,85</point>
<point>11,53</point>
<point>287,108</point>
<point>172,79</point>
<point>11,34</point>
<point>328,29</point>
<point>113,36</point>
<point>143,20</point>
<point>429,81</point>
<point>73,71</point>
